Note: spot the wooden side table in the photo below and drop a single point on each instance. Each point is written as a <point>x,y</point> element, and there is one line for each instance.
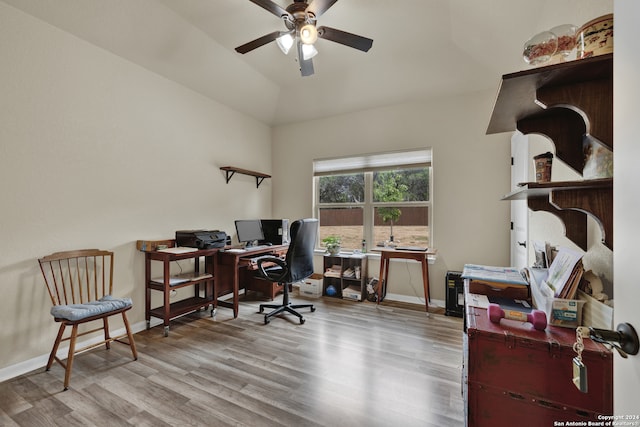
<point>386,254</point>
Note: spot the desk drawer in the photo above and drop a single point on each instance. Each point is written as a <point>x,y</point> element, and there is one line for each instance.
<point>250,282</point>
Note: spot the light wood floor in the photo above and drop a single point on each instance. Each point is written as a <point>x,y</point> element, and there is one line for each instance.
<point>350,364</point>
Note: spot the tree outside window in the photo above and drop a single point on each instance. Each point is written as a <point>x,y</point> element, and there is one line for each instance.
<point>388,187</point>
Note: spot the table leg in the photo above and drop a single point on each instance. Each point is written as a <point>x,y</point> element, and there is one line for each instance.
<point>236,286</point>
<point>166,310</point>
<point>147,297</point>
<point>382,280</point>
<point>425,282</point>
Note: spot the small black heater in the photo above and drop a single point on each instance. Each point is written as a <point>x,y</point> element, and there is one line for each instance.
<point>455,294</point>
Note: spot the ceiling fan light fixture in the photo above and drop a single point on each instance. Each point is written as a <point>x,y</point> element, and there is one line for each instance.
<point>308,34</point>
<point>308,51</point>
<point>285,42</point>
<point>300,19</point>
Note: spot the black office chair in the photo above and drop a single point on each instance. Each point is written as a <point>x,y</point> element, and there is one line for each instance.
<point>297,265</point>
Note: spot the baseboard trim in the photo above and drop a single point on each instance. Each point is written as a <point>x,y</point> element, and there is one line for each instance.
<point>414,300</point>
<point>38,362</point>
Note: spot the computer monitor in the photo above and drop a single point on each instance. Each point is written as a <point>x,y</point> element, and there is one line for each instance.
<point>276,231</point>
<point>249,231</point>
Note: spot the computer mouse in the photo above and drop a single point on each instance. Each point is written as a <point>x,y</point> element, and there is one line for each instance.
<point>269,244</point>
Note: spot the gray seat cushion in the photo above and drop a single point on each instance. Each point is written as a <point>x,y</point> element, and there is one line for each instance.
<point>81,311</point>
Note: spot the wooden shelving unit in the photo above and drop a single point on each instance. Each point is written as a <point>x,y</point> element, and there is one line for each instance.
<point>568,103</point>
<point>231,170</point>
<point>203,283</point>
<point>342,283</point>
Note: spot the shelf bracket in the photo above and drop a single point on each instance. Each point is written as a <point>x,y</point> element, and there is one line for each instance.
<point>575,222</point>
<point>595,202</point>
<point>592,99</point>
<point>564,127</point>
<point>229,173</point>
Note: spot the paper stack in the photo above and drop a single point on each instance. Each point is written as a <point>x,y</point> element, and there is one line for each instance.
<point>494,276</point>
<point>333,271</point>
<point>488,280</point>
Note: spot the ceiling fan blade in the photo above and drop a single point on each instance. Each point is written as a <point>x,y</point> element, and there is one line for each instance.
<point>271,7</point>
<point>306,66</point>
<point>352,40</point>
<point>318,7</point>
<point>254,44</point>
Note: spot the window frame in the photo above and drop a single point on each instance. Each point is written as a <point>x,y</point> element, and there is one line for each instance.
<point>368,205</point>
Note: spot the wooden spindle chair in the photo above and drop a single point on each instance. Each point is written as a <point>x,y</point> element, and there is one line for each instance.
<point>80,284</point>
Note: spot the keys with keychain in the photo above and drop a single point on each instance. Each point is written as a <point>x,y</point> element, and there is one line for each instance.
<point>580,375</point>
<point>579,368</point>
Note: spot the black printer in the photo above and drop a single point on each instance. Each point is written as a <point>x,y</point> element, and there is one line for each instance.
<point>201,239</point>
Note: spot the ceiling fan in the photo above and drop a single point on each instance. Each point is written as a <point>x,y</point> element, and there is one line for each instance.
<point>300,19</point>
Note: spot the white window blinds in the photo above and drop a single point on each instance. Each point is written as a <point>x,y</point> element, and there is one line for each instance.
<point>371,162</point>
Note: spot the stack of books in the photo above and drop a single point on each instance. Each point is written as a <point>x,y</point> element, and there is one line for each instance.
<point>565,273</point>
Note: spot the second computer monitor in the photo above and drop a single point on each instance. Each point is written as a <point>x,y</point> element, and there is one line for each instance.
<point>276,231</point>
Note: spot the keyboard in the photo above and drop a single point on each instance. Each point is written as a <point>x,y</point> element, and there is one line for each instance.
<point>257,248</point>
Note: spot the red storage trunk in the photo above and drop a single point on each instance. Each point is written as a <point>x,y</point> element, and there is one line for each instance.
<point>513,370</point>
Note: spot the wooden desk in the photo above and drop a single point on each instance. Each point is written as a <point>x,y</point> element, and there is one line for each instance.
<point>386,254</point>
<point>168,310</point>
<point>229,265</point>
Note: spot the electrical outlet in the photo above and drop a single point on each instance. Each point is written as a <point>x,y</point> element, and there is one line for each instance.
<point>173,293</point>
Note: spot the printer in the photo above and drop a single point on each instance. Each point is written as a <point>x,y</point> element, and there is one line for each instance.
<point>201,239</point>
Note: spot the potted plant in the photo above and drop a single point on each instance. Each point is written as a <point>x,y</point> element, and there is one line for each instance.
<point>332,244</point>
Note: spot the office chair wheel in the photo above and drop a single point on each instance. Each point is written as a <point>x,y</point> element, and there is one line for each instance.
<point>261,309</point>
<point>302,320</point>
<point>313,309</point>
<point>266,319</point>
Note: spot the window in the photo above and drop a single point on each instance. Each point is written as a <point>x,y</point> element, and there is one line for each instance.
<point>377,198</point>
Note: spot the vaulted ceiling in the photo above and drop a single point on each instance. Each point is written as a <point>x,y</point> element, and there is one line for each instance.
<point>421,49</point>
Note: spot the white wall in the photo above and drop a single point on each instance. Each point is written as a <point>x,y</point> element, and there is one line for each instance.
<point>98,152</point>
<point>470,174</point>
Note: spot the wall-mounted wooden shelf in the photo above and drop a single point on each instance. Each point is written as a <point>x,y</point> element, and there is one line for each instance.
<point>568,103</point>
<point>570,201</point>
<point>231,170</point>
<point>585,86</point>
<point>537,189</point>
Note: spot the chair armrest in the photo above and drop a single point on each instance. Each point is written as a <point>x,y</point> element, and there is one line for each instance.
<point>279,274</point>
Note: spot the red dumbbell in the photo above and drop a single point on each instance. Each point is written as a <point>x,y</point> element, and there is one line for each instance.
<point>537,318</point>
